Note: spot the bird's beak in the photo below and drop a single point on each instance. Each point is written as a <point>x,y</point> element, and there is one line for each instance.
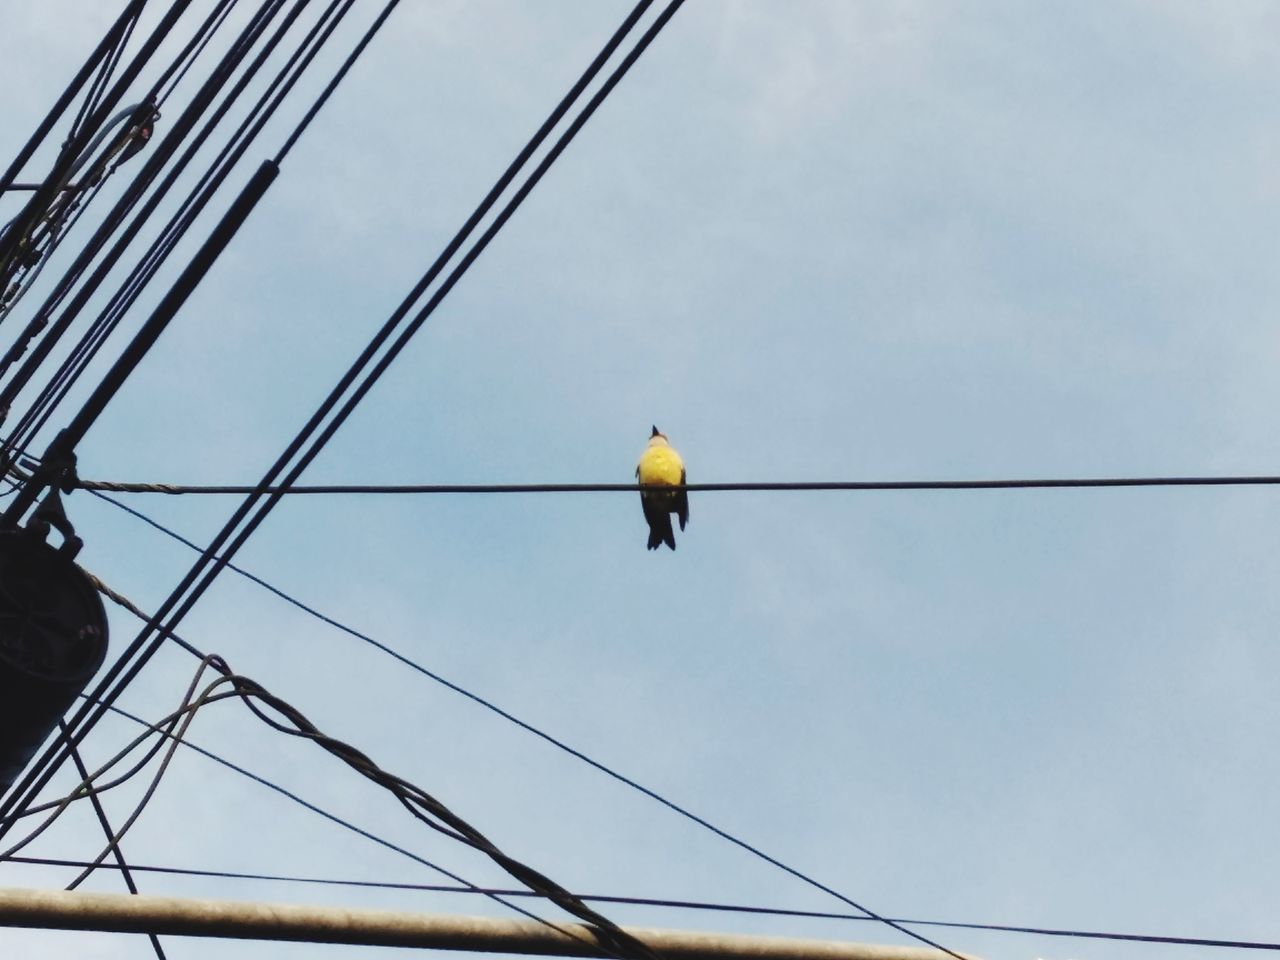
<point>655,433</point>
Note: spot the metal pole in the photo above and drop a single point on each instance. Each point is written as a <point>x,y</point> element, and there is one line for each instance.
<point>228,919</point>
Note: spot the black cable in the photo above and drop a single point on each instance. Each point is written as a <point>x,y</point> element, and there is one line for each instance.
<point>782,485</point>
<point>421,804</point>
<point>174,230</point>
<point>109,64</point>
<point>253,123</point>
<point>336,79</point>
<point>101,814</point>
<point>63,446</point>
<point>158,157</point>
<point>89,784</point>
<point>70,206</point>
<point>530,728</point>
<point>429,810</point>
<point>140,651</point>
<point>108,41</point>
<point>214,23</point>
<point>360,390</point>
<point>465,885</point>
<point>710,907</point>
<point>40,200</point>
<point>56,236</point>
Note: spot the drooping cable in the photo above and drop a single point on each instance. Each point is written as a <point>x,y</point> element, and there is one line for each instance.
<point>284,717</point>
<point>320,811</point>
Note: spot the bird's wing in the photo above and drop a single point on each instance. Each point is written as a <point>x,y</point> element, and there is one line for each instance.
<point>682,502</point>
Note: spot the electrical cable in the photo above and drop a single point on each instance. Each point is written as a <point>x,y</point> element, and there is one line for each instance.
<point>216,19</point>
<point>530,728</point>
<point>108,41</point>
<point>336,79</point>
<point>174,230</point>
<point>340,417</point>
<point>89,785</point>
<point>71,202</point>
<point>333,818</point>
<point>61,451</point>
<point>144,646</point>
<point>74,365</point>
<point>420,803</point>
<point>693,905</point>
<point>784,485</point>
<point>40,199</point>
<point>101,814</point>
<point>159,156</point>
<point>11,297</point>
<point>109,64</point>
<point>139,651</point>
<point>266,106</point>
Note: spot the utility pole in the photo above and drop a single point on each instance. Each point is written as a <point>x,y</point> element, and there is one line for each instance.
<point>229,919</point>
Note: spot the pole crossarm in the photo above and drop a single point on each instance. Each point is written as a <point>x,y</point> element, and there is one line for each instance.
<point>229,919</point>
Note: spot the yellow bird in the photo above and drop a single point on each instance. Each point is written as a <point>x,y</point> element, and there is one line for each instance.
<point>660,466</point>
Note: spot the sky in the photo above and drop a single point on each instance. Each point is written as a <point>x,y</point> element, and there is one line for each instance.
<point>814,240</point>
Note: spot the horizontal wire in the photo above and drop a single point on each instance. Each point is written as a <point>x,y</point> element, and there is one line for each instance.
<point>673,904</point>
<point>781,485</point>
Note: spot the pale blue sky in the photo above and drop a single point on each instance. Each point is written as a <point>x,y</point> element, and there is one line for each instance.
<point>809,240</point>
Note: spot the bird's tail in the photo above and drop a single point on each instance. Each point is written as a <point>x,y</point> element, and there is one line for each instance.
<point>660,532</point>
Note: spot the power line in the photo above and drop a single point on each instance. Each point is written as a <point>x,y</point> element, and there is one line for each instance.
<point>108,42</point>
<point>159,155</point>
<point>206,569</point>
<point>19,227</point>
<point>64,443</point>
<point>336,79</point>
<point>750,486</point>
<point>709,906</point>
<point>530,728</point>
<point>101,814</point>
<point>421,804</point>
<point>178,224</point>
<point>109,64</point>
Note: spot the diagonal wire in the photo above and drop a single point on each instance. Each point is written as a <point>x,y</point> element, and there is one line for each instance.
<point>525,725</point>
<point>609,936</point>
<point>106,828</point>
<point>109,64</point>
<point>188,591</point>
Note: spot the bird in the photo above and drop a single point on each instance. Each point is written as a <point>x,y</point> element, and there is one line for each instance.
<point>660,466</point>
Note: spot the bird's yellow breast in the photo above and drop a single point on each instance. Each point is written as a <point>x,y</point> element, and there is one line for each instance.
<point>660,464</point>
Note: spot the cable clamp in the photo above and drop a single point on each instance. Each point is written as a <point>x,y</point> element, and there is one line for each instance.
<point>58,473</point>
